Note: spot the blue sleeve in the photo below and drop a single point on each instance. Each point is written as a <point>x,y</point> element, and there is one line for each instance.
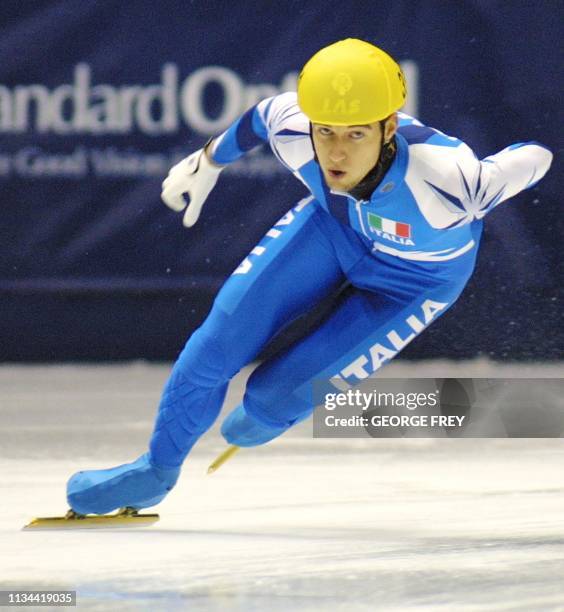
<point>245,134</point>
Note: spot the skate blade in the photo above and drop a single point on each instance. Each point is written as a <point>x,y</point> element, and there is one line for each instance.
<point>221,459</point>
<point>126,517</point>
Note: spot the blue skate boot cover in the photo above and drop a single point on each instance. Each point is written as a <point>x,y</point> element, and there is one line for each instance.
<point>242,429</point>
<point>138,485</point>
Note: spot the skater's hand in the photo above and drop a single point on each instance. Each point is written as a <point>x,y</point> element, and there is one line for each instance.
<point>138,485</point>
<point>194,176</point>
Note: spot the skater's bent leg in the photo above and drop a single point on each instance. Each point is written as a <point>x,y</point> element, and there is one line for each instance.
<point>292,268</point>
<point>364,332</point>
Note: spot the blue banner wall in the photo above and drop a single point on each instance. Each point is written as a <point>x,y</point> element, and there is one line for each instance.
<point>98,99</point>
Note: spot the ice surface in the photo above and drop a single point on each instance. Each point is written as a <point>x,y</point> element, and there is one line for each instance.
<point>298,524</point>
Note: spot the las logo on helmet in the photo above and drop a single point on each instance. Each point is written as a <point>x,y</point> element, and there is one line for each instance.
<point>347,107</point>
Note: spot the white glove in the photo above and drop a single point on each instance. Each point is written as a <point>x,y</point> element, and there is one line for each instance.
<point>194,175</point>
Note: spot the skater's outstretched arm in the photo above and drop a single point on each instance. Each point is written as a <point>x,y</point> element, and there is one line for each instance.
<point>191,180</point>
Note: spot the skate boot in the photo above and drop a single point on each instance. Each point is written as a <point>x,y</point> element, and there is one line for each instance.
<point>133,485</point>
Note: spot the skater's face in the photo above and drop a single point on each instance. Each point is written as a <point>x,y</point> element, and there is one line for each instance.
<point>347,153</point>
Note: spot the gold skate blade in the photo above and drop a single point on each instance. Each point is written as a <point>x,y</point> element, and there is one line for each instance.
<point>221,459</point>
<point>126,517</point>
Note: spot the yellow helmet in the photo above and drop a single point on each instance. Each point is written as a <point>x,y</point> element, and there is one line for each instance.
<point>350,82</point>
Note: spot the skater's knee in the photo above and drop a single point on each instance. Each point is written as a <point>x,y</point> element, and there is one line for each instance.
<point>203,359</point>
<point>218,349</point>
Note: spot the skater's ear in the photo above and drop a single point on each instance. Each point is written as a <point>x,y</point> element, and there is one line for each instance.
<point>389,126</point>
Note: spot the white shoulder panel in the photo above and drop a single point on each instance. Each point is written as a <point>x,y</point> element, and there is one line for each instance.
<point>436,176</point>
<point>288,130</point>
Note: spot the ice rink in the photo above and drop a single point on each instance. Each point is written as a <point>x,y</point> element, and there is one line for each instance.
<point>298,524</point>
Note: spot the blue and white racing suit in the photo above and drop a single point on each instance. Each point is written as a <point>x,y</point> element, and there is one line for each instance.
<point>407,252</point>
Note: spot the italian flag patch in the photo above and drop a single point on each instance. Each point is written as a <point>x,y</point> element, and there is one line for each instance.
<point>390,227</point>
